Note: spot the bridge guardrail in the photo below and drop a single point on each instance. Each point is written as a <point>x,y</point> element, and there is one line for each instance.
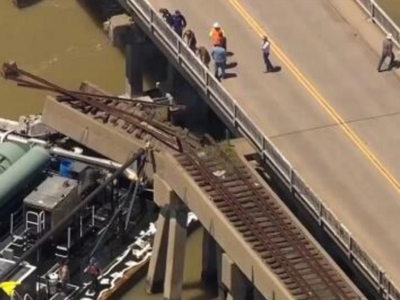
<point>270,154</point>
<point>380,18</point>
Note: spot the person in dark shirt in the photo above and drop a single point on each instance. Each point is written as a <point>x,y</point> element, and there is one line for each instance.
<point>166,15</point>
<point>178,22</point>
<point>190,38</point>
<point>204,56</point>
<point>387,51</point>
<point>222,39</point>
<point>94,272</point>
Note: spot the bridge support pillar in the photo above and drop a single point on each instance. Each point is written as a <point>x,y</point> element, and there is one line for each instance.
<point>169,243</point>
<point>170,81</point>
<point>134,52</point>
<point>176,254</point>
<point>117,29</point>
<point>156,271</point>
<point>233,279</point>
<point>209,273</point>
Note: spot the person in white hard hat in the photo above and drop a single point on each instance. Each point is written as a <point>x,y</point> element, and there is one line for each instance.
<point>217,36</point>
<point>387,51</point>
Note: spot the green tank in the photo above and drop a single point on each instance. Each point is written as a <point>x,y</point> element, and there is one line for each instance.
<point>10,153</point>
<point>22,173</point>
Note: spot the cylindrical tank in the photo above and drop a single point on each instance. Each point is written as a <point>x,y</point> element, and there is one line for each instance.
<point>10,153</point>
<point>22,173</point>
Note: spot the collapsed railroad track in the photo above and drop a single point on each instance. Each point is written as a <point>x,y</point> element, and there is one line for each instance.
<point>257,215</point>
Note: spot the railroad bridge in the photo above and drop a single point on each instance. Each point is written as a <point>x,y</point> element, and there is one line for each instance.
<point>252,244</point>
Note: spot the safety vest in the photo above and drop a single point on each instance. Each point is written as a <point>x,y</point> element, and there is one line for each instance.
<point>214,35</point>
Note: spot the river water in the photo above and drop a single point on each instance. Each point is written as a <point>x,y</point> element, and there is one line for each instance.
<point>58,40</point>
<point>55,39</point>
<point>392,8</point>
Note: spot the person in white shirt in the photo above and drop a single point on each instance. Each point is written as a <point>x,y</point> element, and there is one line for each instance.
<point>266,45</point>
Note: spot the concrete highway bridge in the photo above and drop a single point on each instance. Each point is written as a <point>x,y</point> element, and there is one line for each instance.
<point>327,123</point>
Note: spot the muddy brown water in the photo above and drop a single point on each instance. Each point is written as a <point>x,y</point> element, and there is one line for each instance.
<point>55,39</point>
<point>392,8</point>
<point>58,40</point>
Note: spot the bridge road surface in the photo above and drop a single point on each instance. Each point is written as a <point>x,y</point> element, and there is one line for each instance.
<point>342,68</point>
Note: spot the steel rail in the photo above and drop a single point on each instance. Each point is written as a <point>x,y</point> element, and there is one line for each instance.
<point>11,71</point>
<point>297,244</point>
<point>316,264</point>
<point>86,100</point>
<point>249,222</point>
<point>129,100</point>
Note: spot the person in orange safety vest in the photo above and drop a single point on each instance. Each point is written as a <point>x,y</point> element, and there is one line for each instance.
<point>217,36</point>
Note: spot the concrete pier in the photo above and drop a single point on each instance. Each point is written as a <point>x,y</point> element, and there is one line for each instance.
<point>209,259</point>
<point>175,253</point>
<point>167,260</point>
<point>117,29</point>
<point>156,272</point>
<point>129,38</point>
<point>134,53</point>
<point>232,278</point>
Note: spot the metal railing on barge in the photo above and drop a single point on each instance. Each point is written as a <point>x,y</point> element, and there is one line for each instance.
<point>145,14</point>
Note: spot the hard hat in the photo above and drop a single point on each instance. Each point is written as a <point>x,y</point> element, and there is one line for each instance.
<point>389,36</point>
<point>216,25</point>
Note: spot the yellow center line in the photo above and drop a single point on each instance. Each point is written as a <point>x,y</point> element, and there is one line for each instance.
<point>317,96</point>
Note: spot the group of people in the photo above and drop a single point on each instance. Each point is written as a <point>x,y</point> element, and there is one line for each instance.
<point>93,270</point>
<point>219,53</point>
<point>217,38</point>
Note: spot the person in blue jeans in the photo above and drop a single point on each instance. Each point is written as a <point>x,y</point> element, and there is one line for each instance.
<point>218,53</point>
<point>178,22</point>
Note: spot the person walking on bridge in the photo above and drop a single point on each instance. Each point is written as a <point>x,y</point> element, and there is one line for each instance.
<point>217,36</point>
<point>387,51</point>
<point>266,48</point>
<point>178,22</point>
<point>219,55</point>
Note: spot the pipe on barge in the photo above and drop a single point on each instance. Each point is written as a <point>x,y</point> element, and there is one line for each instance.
<point>22,173</point>
<point>101,162</point>
<point>10,153</point>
